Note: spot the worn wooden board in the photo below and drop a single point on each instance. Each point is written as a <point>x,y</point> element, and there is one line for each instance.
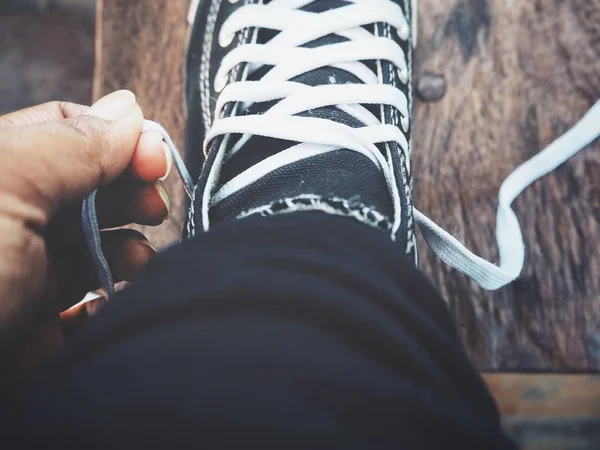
<point>517,75</point>
<point>549,412</point>
<point>140,46</point>
<point>545,395</point>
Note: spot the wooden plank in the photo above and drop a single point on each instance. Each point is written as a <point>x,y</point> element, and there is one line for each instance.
<point>516,76</point>
<point>545,395</point>
<point>555,434</point>
<point>549,411</point>
<point>140,46</point>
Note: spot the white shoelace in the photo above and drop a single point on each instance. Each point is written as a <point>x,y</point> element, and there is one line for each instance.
<point>289,60</point>
<point>317,136</point>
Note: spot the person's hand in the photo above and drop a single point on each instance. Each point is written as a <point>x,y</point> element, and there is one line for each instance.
<point>51,157</point>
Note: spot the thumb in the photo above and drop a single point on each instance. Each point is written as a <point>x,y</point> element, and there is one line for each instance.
<point>54,162</point>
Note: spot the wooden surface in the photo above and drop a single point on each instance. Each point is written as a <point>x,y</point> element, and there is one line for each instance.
<point>516,75</point>
<point>140,46</point>
<point>549,412</point>
<point>545,395</point>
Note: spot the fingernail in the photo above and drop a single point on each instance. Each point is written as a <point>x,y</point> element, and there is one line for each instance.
<point>169,157</point>
<point>115,106</point>
<point>164,195</point>
<point>146,243</point>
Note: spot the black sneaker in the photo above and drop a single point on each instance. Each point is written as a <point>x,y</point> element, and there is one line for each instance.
<point>304,105</point>
<point>301,105</point>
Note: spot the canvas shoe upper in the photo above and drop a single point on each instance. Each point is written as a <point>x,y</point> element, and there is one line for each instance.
<point>300,105</point>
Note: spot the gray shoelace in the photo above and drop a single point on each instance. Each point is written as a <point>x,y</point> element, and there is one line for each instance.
<point>89,215</point>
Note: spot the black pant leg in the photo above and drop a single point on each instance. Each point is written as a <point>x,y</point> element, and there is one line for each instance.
<point>295,331</point>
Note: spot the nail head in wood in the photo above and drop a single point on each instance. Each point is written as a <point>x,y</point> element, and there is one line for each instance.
<point>431,87</point>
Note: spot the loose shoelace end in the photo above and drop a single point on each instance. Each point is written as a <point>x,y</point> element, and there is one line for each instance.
<point>89,216</point>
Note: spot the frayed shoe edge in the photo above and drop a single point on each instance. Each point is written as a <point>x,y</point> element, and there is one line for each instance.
<point>330,205</point>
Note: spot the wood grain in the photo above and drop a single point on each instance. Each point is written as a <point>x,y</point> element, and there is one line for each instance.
<point>546,412</point>
<point>545,395</point>
<point>140,45</point>
<point>517,75</point>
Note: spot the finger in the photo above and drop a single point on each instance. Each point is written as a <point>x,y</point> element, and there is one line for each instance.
<point>152,159</point>
<point>123,203</point>
<point>47,112</point>
<point>120,203</point>
<point>47,164</point>
<point>74,317</point>
<point>126,252</point>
